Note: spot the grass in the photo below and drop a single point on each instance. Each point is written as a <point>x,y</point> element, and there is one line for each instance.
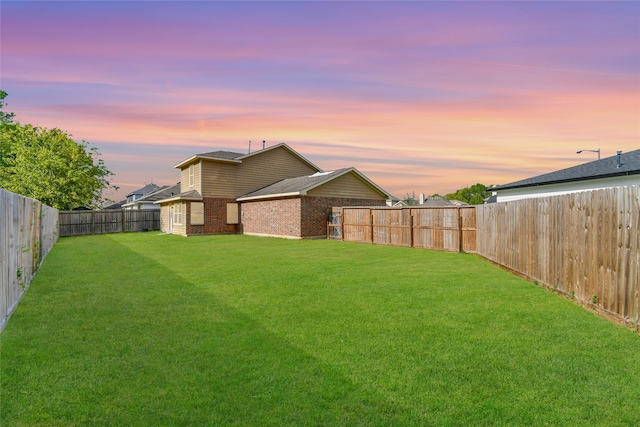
<point>144,329</point>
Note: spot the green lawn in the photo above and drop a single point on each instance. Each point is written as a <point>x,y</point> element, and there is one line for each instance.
<point>155,330</point>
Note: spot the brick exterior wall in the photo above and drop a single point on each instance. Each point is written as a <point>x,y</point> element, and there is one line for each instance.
<point>301,217</point>
<point>315,212</point>
<point>215,218</point>
<point>272,217</point>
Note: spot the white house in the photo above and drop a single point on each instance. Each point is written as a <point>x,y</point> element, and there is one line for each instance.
<point>148,200</point>
<point>619,170</point>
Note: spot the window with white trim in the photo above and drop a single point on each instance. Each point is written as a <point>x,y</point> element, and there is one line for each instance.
<point>177,213</point>
<point>192,175</point>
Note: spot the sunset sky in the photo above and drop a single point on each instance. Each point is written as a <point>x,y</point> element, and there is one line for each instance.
<point>419,96</point>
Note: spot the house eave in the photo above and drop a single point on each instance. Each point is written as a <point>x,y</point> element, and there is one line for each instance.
<point>271,196</point>
<point>143,202</point>
<point>199,157</point>
<point>179,199</point>
<point>563,181</point>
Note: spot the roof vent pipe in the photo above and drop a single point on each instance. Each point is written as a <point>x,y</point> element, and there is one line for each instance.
<point>263,141</point>
<point>618,162</point>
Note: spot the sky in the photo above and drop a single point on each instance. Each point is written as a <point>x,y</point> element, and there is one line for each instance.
<point>425,97</point>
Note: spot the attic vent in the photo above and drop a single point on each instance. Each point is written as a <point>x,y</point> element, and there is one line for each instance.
<point>320,174</point>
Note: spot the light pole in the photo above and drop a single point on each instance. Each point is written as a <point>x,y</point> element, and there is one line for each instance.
<point>593,151</point>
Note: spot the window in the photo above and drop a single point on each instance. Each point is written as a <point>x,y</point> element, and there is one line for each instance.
<point>177,213</point>
<point>232,213</point>
<point>197,213</point>
<point>192,175</point>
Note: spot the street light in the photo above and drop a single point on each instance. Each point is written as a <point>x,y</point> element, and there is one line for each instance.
<point>593,151</point>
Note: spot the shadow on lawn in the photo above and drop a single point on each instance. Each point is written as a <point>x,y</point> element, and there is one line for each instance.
<point>108,342</point>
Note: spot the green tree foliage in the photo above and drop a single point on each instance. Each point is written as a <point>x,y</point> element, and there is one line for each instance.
<point>49,166</point>
<point>474,195</point>
<point>410,199</point>
<point>5,118</point>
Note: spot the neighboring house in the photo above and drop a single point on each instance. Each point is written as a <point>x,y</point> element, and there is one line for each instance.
<point>457,203</point>
<point>115,205</point>
<point>148,200</point>
<point>135,195</point>
<point>228,192</point>
<point>396,203</point>
<point>619,170</point>
<point>425,201</point>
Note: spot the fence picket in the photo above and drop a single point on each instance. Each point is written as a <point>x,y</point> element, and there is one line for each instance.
<point>78,223</point>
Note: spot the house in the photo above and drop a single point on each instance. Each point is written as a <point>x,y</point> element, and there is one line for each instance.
<point>148,200</point>
<point>115,205</point>
<point>439,202</point>
<point>299,207</point>
<point>135,195</point>
<point>274,191</point>
<point>619,170</point>
<point>425,201</point>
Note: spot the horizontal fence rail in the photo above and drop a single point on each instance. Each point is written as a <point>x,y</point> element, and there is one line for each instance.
<point>28,231</point>
<point>78,223</point>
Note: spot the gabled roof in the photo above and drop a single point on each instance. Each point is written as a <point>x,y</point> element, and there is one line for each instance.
<point>220,156</point>
<point>163,192</point>
<point>301,185</point>
<point>144,190</point>
<point>438,202</point>
<point>115,205</point>
<point>233,157</point>
<point>604,168</point>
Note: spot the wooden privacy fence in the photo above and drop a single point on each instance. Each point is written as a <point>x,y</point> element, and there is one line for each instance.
<point>77,223</point>
<point>28,231</point>
<point>584,245</point>
<point>440,228</point>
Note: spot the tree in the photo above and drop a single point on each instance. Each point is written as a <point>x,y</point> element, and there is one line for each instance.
<point>410,199</point>
<point>5,118</point>
<point>474,195</point>
<point>49,166</point>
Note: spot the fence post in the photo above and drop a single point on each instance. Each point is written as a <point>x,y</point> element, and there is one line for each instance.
<point>460,230</point>
<point>410,227</point>
<point>371,219</point>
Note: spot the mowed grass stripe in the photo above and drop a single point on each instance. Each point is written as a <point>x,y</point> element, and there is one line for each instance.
<point>147,329</point>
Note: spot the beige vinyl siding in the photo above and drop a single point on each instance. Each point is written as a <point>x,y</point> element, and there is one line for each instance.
<point>218,178</point>
<point>184,178</point>
<point>349,186</point>
<point>164,218</point>
<point>262,169</point>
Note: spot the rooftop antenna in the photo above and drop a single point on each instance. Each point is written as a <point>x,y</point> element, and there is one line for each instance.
<point>593,151</point>
<point>249,146</point>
